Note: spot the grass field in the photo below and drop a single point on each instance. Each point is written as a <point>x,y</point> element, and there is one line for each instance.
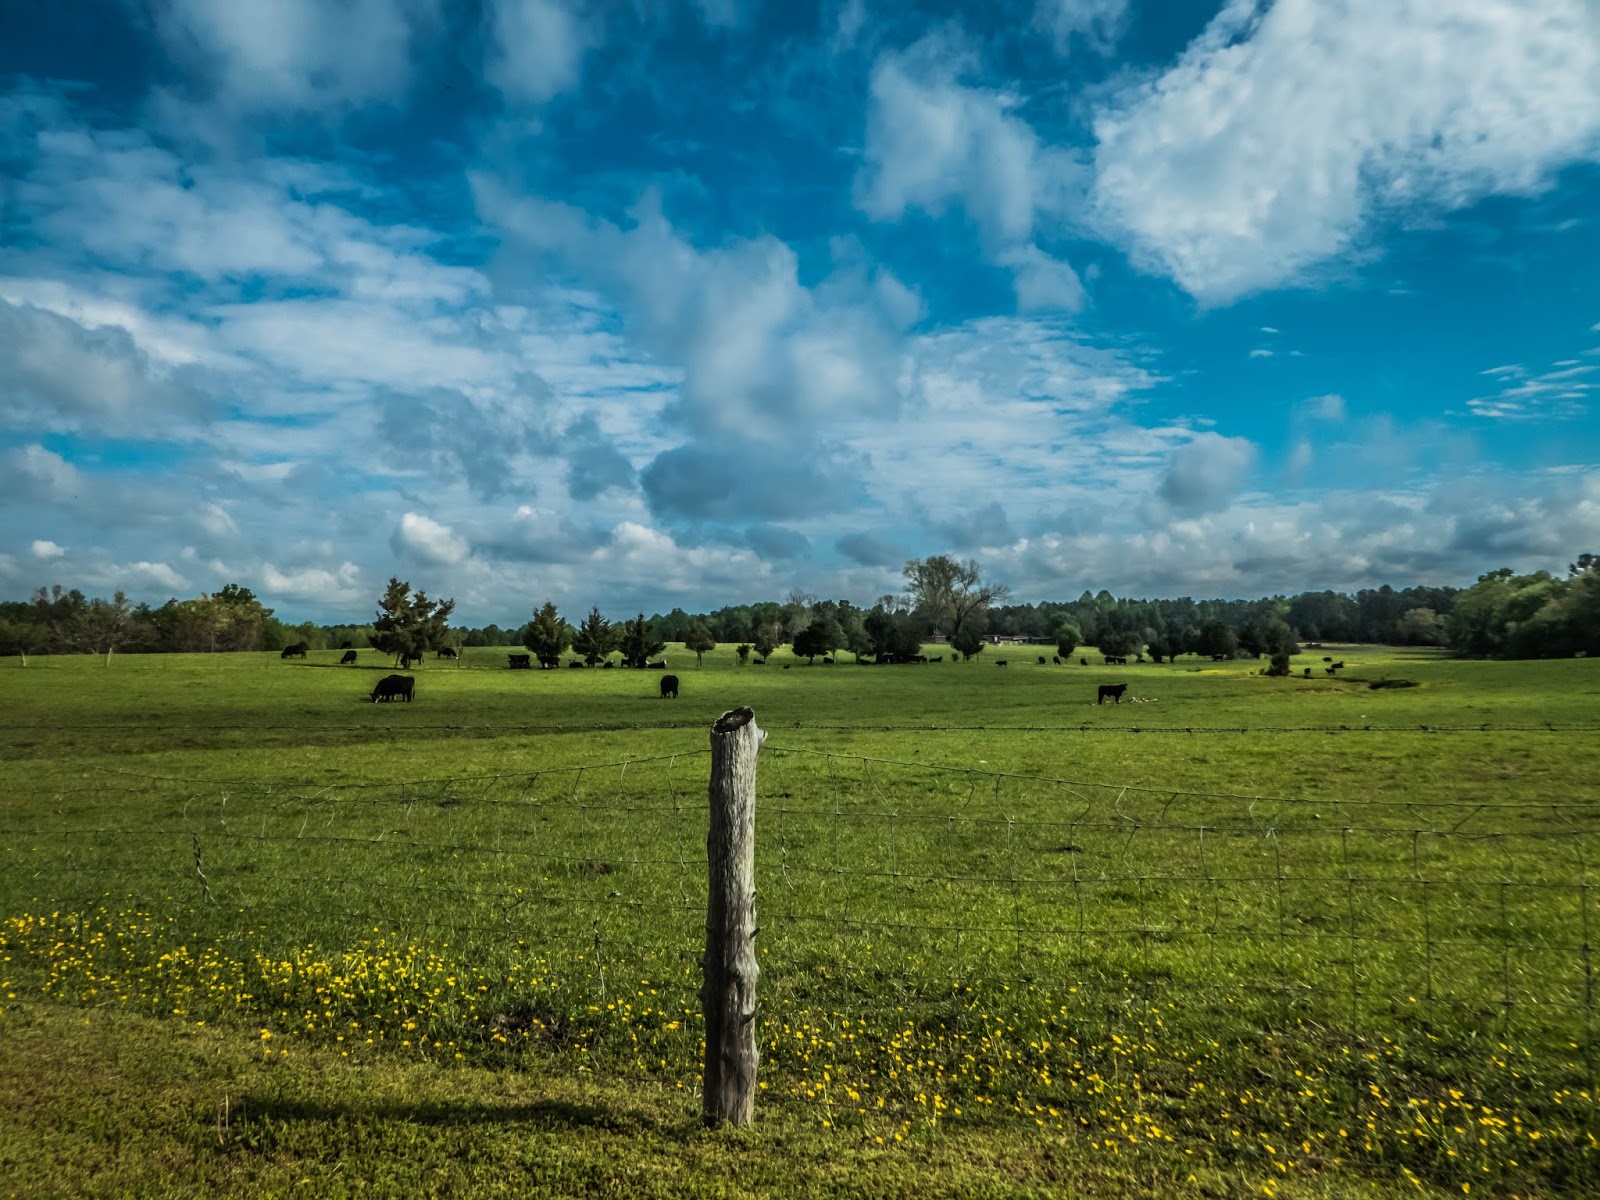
<point>1247,935</point>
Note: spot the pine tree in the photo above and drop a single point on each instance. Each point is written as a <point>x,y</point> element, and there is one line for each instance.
<point>595,638</point>
<point>638,644</point>
<point>408,625</point>
<point>547,635</point>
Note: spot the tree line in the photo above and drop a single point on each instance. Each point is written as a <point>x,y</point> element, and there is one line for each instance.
<point>1502,615</point>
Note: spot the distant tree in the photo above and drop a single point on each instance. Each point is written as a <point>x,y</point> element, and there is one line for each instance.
<point>1585,562</point>
<point>409,624</point>
<point>967,641</point>
<point>22,637</point>
<point>1159,647</point>
<point>856,638</point>
<point>1119,644</point>
<point>822,637</point>
<point>698,640</point>
<point>102,626</point>
<point>1068,638</point>
<point>796,612</point>
<point>637,643</point>
<point>1421,627</point>
<point>547,636</point>
<point>1216,637</point>
<point>950,594</point>
<point>595,638</point>
<point>894,634</point>
<point>767,638</point>
<point>743,651</point>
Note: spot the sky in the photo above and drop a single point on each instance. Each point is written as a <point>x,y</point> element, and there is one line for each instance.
<point>692,302</point>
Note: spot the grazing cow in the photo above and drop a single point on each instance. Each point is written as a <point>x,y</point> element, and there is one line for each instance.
<point>575,665</point>
<point>446,652</point>
<point>1338,666</point>
<point>918,658</point>
<point>937,658</point>
<point>1056,658</point>
<point>1114,690</point>
<point>1329,670</point>
<point>1083,662</point>
<point>669,687</point>
<point>657,666</point>
<point>391,686</point>
<point>760,662</point>
<point>519,662</point>
<point>607,665</point>
<point>1327,658</point>
<point>1308,672</point>
<point>298,650</point>
<point>786,666</point>
<point>1002,662</point>
<point>549,662</point>
<point>349,657</point>
<point>827,662</point>
<point>1041,660</point>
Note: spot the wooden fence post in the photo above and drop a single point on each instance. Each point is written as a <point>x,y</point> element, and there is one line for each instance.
<point>728,995</point>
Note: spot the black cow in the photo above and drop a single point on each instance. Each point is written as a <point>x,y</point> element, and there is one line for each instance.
<point>1083,662</point>
<point>298,650</point>
<point>760,662</point>
<point>407,660</point>
<point>519,662</point>
<point>1002,662</point>
<point>937,658</point>
<point>827,662</point>
<point>349,657</point>
<point>607,665</point>
<point>1308,672</point>
<point>576,664</point>
<point>1057,659</point>
<point>1338,666</point>
<point>669,687</point>
<point>786,666</point>
<point>1041,660</point>
<point>446,652</point>
<point>549,662</point>
<point>1114,690</point>
<point>658,666</point>
<point>391,686</point>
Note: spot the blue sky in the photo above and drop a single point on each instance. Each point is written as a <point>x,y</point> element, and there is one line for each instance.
<point>655,304</point>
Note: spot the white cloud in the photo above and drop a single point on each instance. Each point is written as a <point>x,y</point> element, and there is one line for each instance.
<point>296,53</point>
<point>1204,474</point>
<point>847,25</point>
<point>1268,329</point>
<point>1327,408</point>
<point>1098,22</point>
<point>1044,283</point>
<point>540,47</point>
<point>46,550</point>
<point>339,585</point>
<point>1284,132</point>
<point>932,140</point>
<point>427,541</point>
<point>1260,353</point>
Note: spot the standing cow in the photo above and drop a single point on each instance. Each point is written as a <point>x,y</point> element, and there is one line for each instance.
<point>1114,690</point>
<point>348,658</point>
<point>669,687</point>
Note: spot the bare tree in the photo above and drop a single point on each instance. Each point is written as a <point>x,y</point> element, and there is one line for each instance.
<point>951,594</point>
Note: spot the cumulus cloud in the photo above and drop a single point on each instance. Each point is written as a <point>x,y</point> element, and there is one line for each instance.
<point>734,481</point>
<point>984,525</point>
<point>594,464</point>
<point>1285,130</point>
<point>1330,407</point>
<point>426,541</point>
<point>870,550</point>
<point>539,47</point>
<point>340,585</point>
<point>776,542</point>
<point>34,473</point>
<point>1042,282</point>
<point>296,53</point>
<point>536,535</point>
<point>933,140</point>
<point>46,550</point>
<point>1207,472</point>
<point>455,437</point>
<point>59,375</point>
<point>1099,23</point>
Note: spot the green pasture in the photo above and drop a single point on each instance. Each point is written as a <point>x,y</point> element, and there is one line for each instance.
<point>1278,935</point>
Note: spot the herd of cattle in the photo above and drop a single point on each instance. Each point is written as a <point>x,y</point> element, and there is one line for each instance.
<point>401,687</point>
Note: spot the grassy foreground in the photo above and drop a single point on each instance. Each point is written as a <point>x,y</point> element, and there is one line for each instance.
<point>1278,936</point>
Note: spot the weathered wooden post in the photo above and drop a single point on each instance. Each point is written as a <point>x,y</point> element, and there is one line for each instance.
<point>728,995</point>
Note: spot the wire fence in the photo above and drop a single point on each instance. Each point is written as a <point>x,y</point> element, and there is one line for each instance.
<point>936,943</point>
